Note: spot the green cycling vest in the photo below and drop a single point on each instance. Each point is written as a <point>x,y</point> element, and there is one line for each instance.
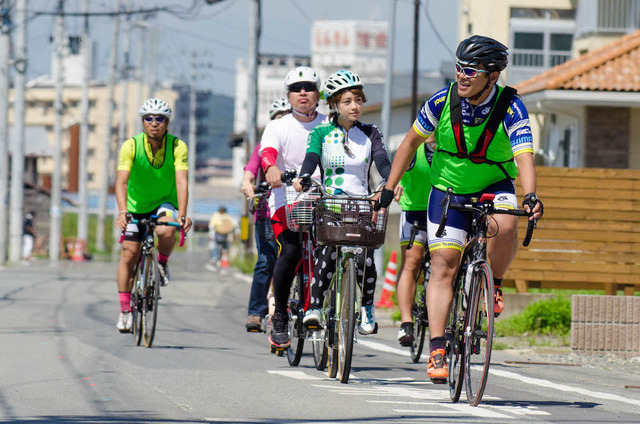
<point>416,182</point>
<point>150,187</point>
<point>462,174</point>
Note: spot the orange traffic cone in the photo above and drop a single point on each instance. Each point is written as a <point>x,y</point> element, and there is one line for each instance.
<point>390,278</point>
<point>224,261</point>
<point>78,251</point>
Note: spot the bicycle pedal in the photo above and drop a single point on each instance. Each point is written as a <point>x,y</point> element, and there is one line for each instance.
<point>439,380</point>
<point>375,329</point>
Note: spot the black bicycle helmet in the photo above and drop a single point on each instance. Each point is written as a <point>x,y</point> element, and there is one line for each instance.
<point>478,49</point>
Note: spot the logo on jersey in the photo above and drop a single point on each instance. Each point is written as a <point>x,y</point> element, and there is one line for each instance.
<point>523,131</point>
<point>478,120</point>
<point>486,110</point>
<point>503,198</point>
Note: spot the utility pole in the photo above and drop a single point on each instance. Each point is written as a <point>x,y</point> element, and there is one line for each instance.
<point>83,216</point>
<point>5,22</point>
<point>388,77</point>
<point>56,180</point>
<point>414,76</point>
<point>143,26</point>
<point>17,151</point>
<point>192,143</point>
<point>252,106</point>
<point>106,171</point>
<point>153,60</point>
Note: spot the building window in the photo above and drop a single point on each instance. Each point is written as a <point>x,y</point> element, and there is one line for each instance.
<point>528,49</point>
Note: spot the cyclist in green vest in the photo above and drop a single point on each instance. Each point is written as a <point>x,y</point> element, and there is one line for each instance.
<point>482,131</point>
<point>151,180</point>
<point>416,185</point>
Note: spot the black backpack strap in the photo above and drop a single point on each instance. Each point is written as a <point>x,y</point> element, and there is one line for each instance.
<point>455,110</point>
<point>497,116</point>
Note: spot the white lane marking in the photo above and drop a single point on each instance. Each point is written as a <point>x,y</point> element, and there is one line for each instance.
<point>563,388</point>
<point>298,375</point>
<point>507,374</point>
<point>383,348</point>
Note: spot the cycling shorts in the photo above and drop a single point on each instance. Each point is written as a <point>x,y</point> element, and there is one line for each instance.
<point>407,219</point>
<point>135,232</point>
<point>458,223</point>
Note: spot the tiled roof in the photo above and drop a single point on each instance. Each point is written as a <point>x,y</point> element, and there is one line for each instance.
<point>612,67</point>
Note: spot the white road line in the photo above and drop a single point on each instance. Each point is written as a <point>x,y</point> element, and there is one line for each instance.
<point>563,388</point>
<point>507,374</point>
<point>298,375</point>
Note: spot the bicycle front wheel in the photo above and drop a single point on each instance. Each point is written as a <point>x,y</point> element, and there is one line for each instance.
<point>136,305</point>
<point>296,312</point>
<point>151,294</point>
<point>454,336</point>
<point>347,320</point>
<point>419,314</point>
<point>479,333</point>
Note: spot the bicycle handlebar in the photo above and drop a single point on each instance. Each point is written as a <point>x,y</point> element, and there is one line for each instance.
<point>264,188</point>
<point>414,231</point>
<point>154,219</point>
<point>309,182</point>
<point>485,207</point>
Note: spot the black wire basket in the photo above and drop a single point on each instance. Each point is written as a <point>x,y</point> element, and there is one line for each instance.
<point>349,222</point>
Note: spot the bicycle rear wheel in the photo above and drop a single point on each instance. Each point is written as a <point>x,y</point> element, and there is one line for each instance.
<point>136,306</point>
<point>454,337</point>
<point>419,314</point>
<point>479,333</point>
<point>296,312</point>
<point>347,320</point>
<point>151,295</point>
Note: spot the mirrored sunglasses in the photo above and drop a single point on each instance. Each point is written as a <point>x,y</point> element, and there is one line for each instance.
<point>159,119</point>
<point>299,86</point>
<point>469,72</point>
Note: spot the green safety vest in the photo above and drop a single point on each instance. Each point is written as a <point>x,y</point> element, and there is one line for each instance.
<point>416,182</point>
<point>471,158</point>
<point>150,187</point>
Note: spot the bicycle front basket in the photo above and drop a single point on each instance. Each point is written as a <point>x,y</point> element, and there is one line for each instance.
<point>299,208</point>
<point>349,222</point>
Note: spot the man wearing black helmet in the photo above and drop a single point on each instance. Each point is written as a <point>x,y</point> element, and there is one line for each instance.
<point>483,140</point>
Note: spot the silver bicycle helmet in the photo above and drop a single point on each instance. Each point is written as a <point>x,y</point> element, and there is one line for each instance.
<point>279,106</point>
<point>155,107</point>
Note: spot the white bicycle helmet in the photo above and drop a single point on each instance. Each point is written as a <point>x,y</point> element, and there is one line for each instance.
<point>155,107</point>
<point>278,106</point>
<point>302,74</point>
<point>341,80</point>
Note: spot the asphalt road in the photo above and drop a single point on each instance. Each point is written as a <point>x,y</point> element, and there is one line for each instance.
<point>63,361</point>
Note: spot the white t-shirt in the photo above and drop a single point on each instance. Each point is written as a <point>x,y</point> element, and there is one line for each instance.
<point>289,137</point>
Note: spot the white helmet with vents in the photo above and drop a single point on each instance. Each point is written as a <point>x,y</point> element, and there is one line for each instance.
<point>341,80</point>
<point>302,74</point>
<point>279,106</point>
<point>155,107</point>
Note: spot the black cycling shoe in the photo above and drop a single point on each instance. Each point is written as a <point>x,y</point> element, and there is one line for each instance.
<point>405,334</point>
<point>279,336</point>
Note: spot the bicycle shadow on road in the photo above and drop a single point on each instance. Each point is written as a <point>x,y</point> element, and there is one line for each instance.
<point>540,403</point>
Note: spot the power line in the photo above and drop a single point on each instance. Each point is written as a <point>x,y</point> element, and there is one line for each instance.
<point>435,30</point>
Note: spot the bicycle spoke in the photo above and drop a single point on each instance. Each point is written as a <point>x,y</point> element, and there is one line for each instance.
<point>347,320</point>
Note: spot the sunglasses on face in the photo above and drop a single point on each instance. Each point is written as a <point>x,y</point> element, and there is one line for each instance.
<point>469,72</point>
<point>159,119</point>
<point>299,86</point>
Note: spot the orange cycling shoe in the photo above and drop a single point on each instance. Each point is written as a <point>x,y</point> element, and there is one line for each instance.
<point>498,305</point>
<point>437,368</point>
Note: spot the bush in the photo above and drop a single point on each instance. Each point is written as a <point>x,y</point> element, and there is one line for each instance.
<point>551,317</point>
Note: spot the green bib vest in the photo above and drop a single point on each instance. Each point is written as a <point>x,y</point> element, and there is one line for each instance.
<point>463,175</point>
<point>150,187</point>
<point>417,183</point>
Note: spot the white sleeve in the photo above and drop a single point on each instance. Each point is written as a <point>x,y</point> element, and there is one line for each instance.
<point>270,137</point>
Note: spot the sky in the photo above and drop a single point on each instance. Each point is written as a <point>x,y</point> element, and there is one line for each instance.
<point>219,33</point>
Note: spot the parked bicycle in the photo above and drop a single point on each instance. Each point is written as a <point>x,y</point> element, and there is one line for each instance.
<point>419,309</point>
<point>350,224</point>
<point>469,332</point>
<point>145,293</point>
